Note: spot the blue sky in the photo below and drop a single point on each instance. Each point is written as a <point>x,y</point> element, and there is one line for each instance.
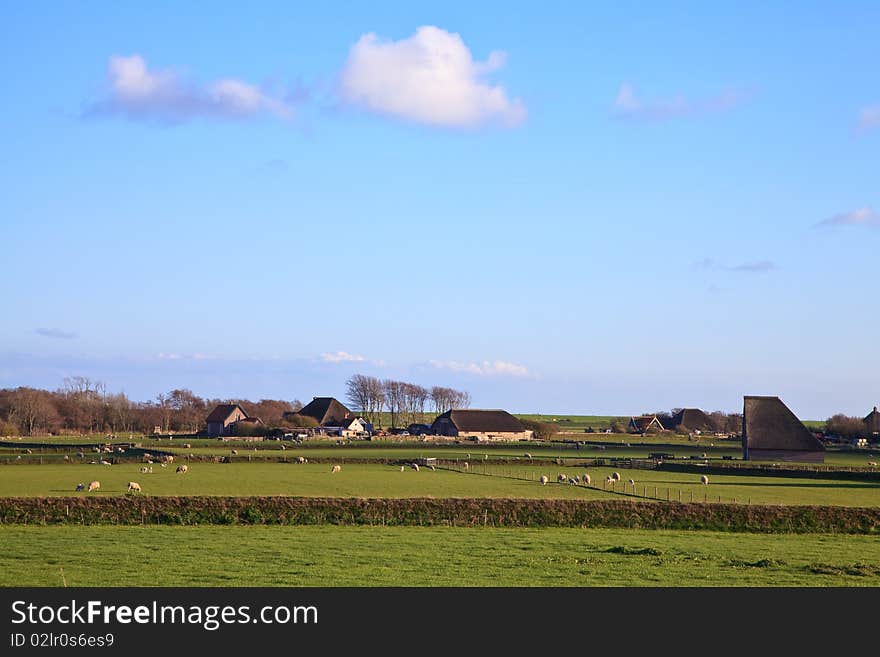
<point>606,209</point>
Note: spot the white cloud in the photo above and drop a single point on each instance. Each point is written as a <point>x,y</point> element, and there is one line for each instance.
<point>429,77</point>
<point>869,117</point>
<point>341,357</point>
<point>137,92</point>
<point>860,217</point>
<point>630,105</point>
<point>486,368</point>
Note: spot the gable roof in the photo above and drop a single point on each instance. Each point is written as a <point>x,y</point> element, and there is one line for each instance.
<point>769,424</point>
<point>643,422</point>
<point>326,410</point>
<point>222,412</point>
<point>483,421</point>
<point>693,418</point>
<point>872,421</point>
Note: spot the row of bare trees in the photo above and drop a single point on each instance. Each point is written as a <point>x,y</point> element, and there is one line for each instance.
<point>405,402</point>
<point>83,406</point>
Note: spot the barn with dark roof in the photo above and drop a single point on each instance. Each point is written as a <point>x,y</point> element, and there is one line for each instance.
<point>326,411</point>
<point>771,432</point>
<point>692,419</point>
<point>872,421</point>
<point>480,425</point>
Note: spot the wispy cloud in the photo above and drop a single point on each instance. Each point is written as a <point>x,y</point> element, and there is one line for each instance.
<point>57,333</point>
<point>751,267</point>
<point>860,217</point>
<point>341,357</point>
<point>430,77</point>
<point>869,118</point>
<point>485,368</point>
<point>137,92</point>
<point>629,105</point>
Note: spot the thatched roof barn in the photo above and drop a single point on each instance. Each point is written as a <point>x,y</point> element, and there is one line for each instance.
<point>872,421</point>
<point>692,419</point>
<point>642,423</point>
<point>480,425</point>
<point>771,432</point>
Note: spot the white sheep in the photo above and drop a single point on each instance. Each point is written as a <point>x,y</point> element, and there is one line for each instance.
<point>336,468</point>
<point>183,469</point>
<point>94,485</point>
<point>615,476</point>
<point>433,469</point>
<point>586,479</point>
<point>134,486</point>
<point>144,469</point>
<point>163,465</point>
<point>80,487</point>
<point>235,452</point>
<point>300,459</point>
<point>704,480</point>
<point>402,468</point>
<point>544,480</point>
<point>632,482</point>
<point>105,462</point>
<point>528,456</point>
<point>873,464</point>
<point>561,478</point>
<point>466,465</point>
<point>415,466</point>
<point>610,480</point>
<point>576,479</point>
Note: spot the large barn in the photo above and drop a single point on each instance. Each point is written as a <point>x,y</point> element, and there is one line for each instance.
<point>872,422</point>
<point>692,419</point>
<point>326,411</point>
<point>771,432</point>
<point>221,421</point>
<point>480,425</point>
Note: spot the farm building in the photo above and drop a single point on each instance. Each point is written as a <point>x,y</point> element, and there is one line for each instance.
<point>771,432</point>
<point>480,425</point>
<point>872,422</point>
<point>352,427</point>
<point>221,421</point>
<point>417,429</point>
<point>692,419</point>
<point>642,423</point>
<point>326,411</point>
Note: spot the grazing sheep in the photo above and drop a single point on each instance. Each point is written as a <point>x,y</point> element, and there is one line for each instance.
<point>615,476</point>
<point>335,469</point>
<point>80,487</point>
<point>402,468</point>
<point>235,452</point>
<point>134,486</point>
<point>466,466</point>
<point>632,482</point>
<point>576,479</point>
<point>468,455</point>
<point>610,480</point>
<point>528,456</point>
<point>703,455</point>
<point>105,462</point>
<point>182,468</point>
<point>144,469</point>
<point>28,451</point>
<point>163,465</point>
<point>433,469</point>
<point>873,464</point>
<point>150,469</point>
<point>81,455</point>
<point>704,480</point>
<point>415,466</point>
<point>586,479</point>
<point>94,485</point>
<point>187,446</point>
<point>544,480</point>
<point>561,478</point>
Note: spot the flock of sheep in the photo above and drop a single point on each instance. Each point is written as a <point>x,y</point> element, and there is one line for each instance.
<point>611,479</point>
<point>133,486</point>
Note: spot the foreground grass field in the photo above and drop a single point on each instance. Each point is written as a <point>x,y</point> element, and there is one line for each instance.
<point>378,480</point>
<point>383,556</point>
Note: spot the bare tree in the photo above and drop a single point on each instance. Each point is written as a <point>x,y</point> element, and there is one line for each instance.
<point>357,393</point>
<point>393,396</point>
<point>31,410</point>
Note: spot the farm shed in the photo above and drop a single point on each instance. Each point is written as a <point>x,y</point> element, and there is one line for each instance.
<point>353,427</point>
<point>221,421</point>
<point>480,425</point>
<point>872,422</point>
<point>771,432</point>
<point>642,423</point>
<point>692,419</point>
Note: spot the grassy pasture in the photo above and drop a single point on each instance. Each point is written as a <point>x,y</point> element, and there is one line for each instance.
<point>387,556</point>
<point>377,480</point>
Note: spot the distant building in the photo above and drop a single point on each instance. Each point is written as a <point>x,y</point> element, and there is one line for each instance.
<point>771,432</point>
<point>872,422</point>
<point>354,427</point>
<point>642,423</point>
<point>221,421</point>
<point>693,420</point>
<point>326,411</point>
<point>480,425</point>
<point>417,429</point>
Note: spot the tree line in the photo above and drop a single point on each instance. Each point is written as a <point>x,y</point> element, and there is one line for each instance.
<point>407,403</point>
<point>83,406</point>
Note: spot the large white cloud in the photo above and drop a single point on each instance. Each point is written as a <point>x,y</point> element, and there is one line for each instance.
<point>341,357</point>
<point>137,92</point>
<point>429,77</point>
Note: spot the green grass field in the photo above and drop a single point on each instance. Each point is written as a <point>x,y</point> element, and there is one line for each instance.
<point>376,480</point>
<point>417,556</point>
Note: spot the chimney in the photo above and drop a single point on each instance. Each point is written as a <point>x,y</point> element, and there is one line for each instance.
<point>875,409</point>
